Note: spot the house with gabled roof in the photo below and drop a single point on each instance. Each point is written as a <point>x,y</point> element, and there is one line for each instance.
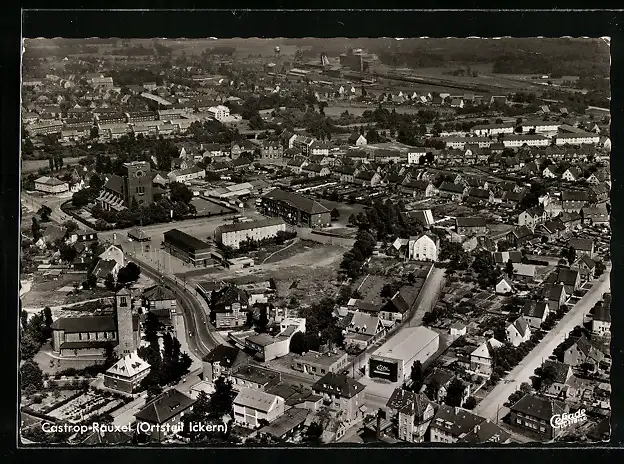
<point>532,217</point>
<point>481,357</point>
<point>449,425</point>
<point>363,329</point>
<point>534,414</point>
<point>583,352</point>
<point>601,318</point>
<point>412,412</point>
<point>586,267</point>
<point>504,286</point>
<point>341,393</point>
<point>163,414</point>
<point>535,312</point>
<point>518,331</point>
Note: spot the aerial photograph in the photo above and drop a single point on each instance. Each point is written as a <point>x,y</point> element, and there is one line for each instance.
<point>314,242</point>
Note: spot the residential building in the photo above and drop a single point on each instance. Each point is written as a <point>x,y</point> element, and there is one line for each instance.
<point>523,272</point>
<point>221,362</point>
<point>436,384</point>
<point>162,416</point>
<point>295,209</point>
<point>532,217</point>
<point>586,267</point>
<point>577,138</point>
<point>126,374</point>
<point>424,247</point>
<point>582,246</point>
<point>341,393</point>
<point>534,414</point>
<point>449,424</point>
<point>571,174</point>
<point>471,225</point>
<point>271,150</point>
<point>582,352</point>
<point>486,130</point>
<point>519,140</point>
<point>481,357</point>
<point>51,185</point>
<point>414,414</point>
<point>358,140</point>
<point>228,307</point>
<point>574,201</point>
<point>255,378</point>
<point>518,331</point>
<point>185,175</point>
<point>233,235</point>
<point>504,286</point>
<point>362,329</point>
<point>596,215</point>
<point>253,407</point>
<point>219,112</point>
<point>601,318</point>
<point>287,427</point>
<point>160,300</point>
<point>535,313</point>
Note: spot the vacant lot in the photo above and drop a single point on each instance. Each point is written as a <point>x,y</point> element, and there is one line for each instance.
<point>47,291</point>
<point>204,206</point>
<point>344,209</point>
<point>35,165</point>
<point>370,287</point>
<point>290,250</point>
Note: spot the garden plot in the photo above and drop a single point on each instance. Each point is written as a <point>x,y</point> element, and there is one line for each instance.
<point>86,406</point>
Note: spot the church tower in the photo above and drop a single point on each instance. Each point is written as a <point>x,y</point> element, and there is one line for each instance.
<point>125,331</point>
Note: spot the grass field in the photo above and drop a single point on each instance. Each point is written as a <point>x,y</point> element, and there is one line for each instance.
<point>35,165</point>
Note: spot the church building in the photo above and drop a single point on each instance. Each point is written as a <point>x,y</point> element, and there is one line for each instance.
<point>90,335</point>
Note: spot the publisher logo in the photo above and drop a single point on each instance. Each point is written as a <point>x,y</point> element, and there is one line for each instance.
<point>561,421</point>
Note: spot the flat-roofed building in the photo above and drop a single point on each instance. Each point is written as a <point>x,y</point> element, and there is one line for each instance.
<point>233,234</point>
<point>317,363</point>
<point>187,248</point>
<point>252,406</point>
<point>393,360</point>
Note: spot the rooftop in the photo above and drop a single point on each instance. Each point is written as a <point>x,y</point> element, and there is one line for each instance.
<point>407,342</point>
<point>167,405</point>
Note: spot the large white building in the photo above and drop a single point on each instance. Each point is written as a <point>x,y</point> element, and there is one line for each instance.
<point>184,175</point>
<point>233,234</point>
<point>394,359</point>
<point>485,130</point>
<point>251,406</point>
<point>531,140</point>
<point>51,185</point>
<point>540,127</point>
<point>424,247</point>
<point>219,112</point>
<point>460,142</point>
<point>577,138</point>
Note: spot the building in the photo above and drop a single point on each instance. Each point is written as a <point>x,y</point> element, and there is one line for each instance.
<point>459,143</point>
<point>524,272</point>
<point>424,247</point>
<point>597,215</point>
<point>471,225</point>
<point>357,140</point>
<point>534,414</point>
<point>51,185</point>
<point>582,352</point>
<point>253,407</point>
<point>414,414</point>
<point>159,300</point>
<point>535,313</point>
<point>532,217</point>
<point>271,150</point>
<point>540,127</point>
<point>574,201</point>
<point>394,359</point>
<point>362,329</point>
<point>126,374</point>
<point>295,209</point>
<point>219,112</point>
<point>91,335</point>
<point>586,267</point>
<point>518,331</point>
<point>233,235</point>
<point>601,318</point>
<point>582,246</point>
<point>486,130</point>
<point>449,424</point>
<point>187,248</point>
<point>255,378</point>
<point>437,383</point>
<point>267,347</point>
<point>481,357</point>
<point>504,286</point>
<point>228,307</point>
<point>134,188</point>
<point>341,394</point>
<point>162,416</point>
<point>517,141</point>
<point>577,138</point>
<point>316,363</point>
<point>185,175</point>
<point>288,426</point>
<point>221,362</point>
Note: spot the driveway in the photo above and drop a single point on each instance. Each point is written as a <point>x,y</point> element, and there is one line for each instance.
<point>492,405</point>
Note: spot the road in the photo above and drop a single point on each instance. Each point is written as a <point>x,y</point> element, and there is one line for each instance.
<point>35,202</point>
<point>492,404</point>
<point>199,337</point>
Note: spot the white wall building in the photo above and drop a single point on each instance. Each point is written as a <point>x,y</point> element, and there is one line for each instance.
<point>577,139</point>
<point>516,141</point>
<point>424,247</point>
<point>219,112</point>
<point>51,185</point>
<point>252,406</point>
<point>233,234</point>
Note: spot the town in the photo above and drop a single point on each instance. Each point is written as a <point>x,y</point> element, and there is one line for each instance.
<point>315,241</point>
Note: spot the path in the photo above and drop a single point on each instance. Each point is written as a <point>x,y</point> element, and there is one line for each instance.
<point>279,251</point>
<point>491,405</point>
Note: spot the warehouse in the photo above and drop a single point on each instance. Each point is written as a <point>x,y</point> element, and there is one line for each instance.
<point>187,248</point>
<point>233,235</point>
<point>394,359</point>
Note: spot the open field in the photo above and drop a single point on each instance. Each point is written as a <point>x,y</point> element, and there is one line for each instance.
<point>50,292</point>
<point>344,209</point>
<point>291,250</point>
<point>35,165</point>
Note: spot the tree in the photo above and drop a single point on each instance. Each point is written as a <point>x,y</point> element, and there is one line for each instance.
<point>569,254</point>
<point>35,229</point>
<point>68,253</point>
<point>314,433</point>
<point>417,376</point>
<point>109,281</point>
<point>222,399</point>
<point>24,318</point>
<point>91,281</point>
<point>31,377</point>
<point>600,269</point>
<point>470,403</point>
<point>297,343</point>
<point>129,273</point>
<point>47,316</point>
<point>94,133</point>
<point>44,213</point>
<point>509,268</point>
<point>71,227</point>
<point>180,192</point>
<point>455,393</point>
<point>335,214</point>
<point>263,320</point>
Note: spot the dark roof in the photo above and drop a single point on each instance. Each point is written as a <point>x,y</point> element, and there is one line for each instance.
<point>569,216</point>
<point>512,196</point>
<point>296,201</point>
<point>338,384</point>
<point>227,296</point>
<point>554,226</point>
<point>534,309</point>
<point>103,323</point>
<point>451,187</point>
<point>540,408</point>
<point>158,293</point>
<point>115,183</point>
<point>582,244</point>
<point>224,354</point>
<point>566,276</point>
<point>250,225</point>
<point>104,267</point>
<point>439,378</point>
<point>410,403</point>
<point>167,405</point>
<point>456,421</point>
<point>560,369</point>
<point>470,222</point>
<point>522,232</point>
<point>479,193</point>
<point>285,423</point>
<point>184,240</point>
<point>574,196</point>
<point>486,432</point>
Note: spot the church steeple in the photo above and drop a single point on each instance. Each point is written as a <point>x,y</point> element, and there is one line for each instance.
<point>125,330</point>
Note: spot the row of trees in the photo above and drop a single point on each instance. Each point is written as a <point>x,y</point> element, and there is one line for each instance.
<point>34,331</point>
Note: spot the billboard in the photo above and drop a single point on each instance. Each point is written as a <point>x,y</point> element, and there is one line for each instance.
<point>383,369</point>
